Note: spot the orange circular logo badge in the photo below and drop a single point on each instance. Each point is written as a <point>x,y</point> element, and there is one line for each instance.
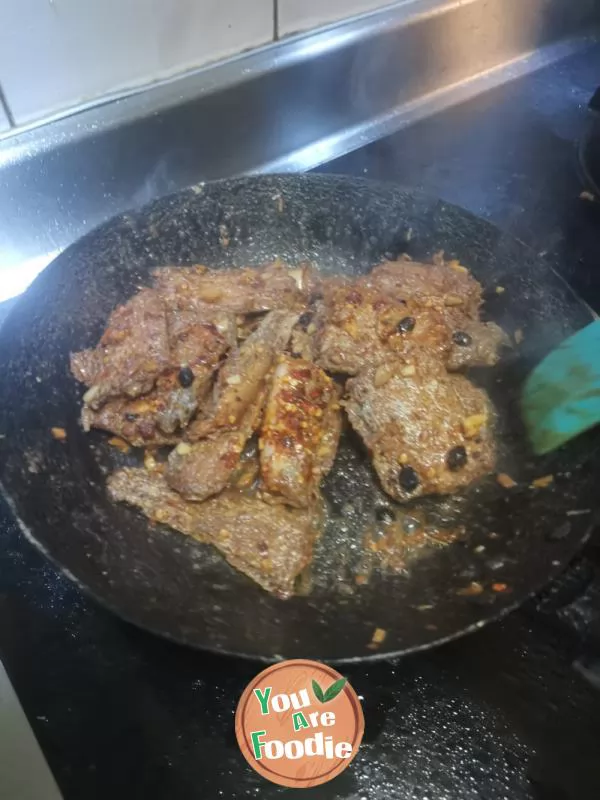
<point>299,723</point>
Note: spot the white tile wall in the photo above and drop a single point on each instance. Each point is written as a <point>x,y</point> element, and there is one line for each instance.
<point>301,15</point>
<point>59,53</point>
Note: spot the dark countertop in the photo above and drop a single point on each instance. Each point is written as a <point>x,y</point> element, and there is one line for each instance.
<point>510,712</point>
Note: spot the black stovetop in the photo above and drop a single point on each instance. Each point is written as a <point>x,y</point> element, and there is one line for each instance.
<point>510,712</point>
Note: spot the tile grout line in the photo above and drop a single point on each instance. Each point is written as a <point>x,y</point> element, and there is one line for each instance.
<point>6,108</point>
<point>275,20</point>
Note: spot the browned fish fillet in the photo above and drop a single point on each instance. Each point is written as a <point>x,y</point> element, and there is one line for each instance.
<point>136,421</point>
<point>242,379</point>
<point>198,340</point>
<point>476,344</point>
<point>364,327</point>
<point>410,310</point>
<point>436,286</point>
<point>132,353</point>
<point>158,416</point>
<point>269,543</point>
<point>428,432</point>
<point>204,468</point>
<point>300,432</point>
<point>241,291</point>
<point>451,293</point>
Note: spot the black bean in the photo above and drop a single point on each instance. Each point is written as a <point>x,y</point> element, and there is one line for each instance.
<point>130,417</point>
<point>384,514</point>
<point>185,377</point>
<point>456,458</point>
<point>406,325</point>
<point>305,319</point>
<point>408,479</point>
<point>462,338</point>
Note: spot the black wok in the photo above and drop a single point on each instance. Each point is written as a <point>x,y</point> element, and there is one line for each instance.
<point>516,540</point>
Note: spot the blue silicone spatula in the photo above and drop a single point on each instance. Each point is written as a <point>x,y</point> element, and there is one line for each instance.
<point>561,397</point>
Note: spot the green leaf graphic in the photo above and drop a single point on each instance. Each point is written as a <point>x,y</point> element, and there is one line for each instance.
<point>334,690</point>
<point>318,691</point>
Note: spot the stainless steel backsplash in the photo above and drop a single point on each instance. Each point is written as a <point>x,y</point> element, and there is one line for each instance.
<point>57,56</point>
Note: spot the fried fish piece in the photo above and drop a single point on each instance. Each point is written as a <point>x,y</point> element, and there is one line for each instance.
<point>132,353</point>
<point>244,375</point>
<point>439,286</point>
<point>198,340</point>
<point>407,309</point>
<point>309,328</point>
<point>242,291</point>
<point>300,431</point>
<point>205,468</point>
<point>365,326</point>
<point>269,543</point>
<point>428,431</point>
<point>476,344</point>
<point>136,421</point>
<point>196,346</point>
<point>453,293</point>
